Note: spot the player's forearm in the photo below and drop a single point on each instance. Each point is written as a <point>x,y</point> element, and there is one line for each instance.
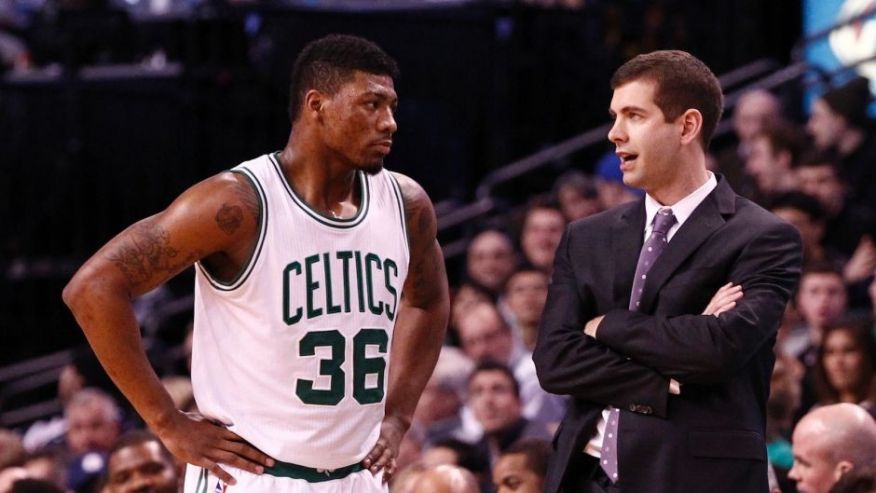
<point>105,314</point>
<point>417,342</point>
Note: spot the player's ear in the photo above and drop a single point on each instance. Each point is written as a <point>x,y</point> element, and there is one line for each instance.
<point>313,103</point>
<point>691,125</point>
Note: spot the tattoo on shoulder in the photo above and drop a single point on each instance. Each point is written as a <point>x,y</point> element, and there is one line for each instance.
<point>246,195</point>
<point>146,251</point>
<point>229,218</point>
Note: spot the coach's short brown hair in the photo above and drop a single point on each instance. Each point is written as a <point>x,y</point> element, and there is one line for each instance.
<point>682,82</point>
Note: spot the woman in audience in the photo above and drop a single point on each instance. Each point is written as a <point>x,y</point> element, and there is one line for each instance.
<point>845,367</point>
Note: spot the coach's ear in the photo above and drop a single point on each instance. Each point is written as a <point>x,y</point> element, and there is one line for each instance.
<point>690,125</point>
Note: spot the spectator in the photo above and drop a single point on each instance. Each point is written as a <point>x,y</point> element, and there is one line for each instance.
<point>438,410</point>
<point>490,259</point>
<point>93,425</point>
<point>839,122</point>
<point>782,405</point>
<point>543,226</point>
<point>807,216</point>
<point>821,300</point>
<point>858,480</point>
<point>577,195</point>
<point>522,467</point>
<point>525,294</point>
<point>829,442</point>
<point>446,479</point>
<point>494,397</point>
<point>485,336</point>
<point>755,110</point>
<point>139,462</point>
<point>610,182</point>
<point>773,152</point>
<point>465,298</point>
<point>848,229</point>
<point>844,371</point>
<point>457,453</point>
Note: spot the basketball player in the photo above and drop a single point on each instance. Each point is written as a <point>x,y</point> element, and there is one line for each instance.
<point>314,269</point>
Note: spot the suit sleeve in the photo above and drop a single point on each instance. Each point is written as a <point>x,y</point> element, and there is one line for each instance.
<point>570,363</point>
<point>704,349</point>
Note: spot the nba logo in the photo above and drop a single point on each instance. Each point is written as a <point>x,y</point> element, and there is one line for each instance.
<point>220,487</point>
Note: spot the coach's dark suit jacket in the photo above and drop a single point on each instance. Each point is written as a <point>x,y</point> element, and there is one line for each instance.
<point>711,437</point>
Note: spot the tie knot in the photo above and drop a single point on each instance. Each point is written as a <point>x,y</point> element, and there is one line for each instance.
<point>663,220</point>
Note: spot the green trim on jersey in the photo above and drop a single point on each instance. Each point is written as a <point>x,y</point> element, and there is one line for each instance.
<point>401,208</point>
<point>319,216</point>
<point>309,474</point>
<point>247,268</point>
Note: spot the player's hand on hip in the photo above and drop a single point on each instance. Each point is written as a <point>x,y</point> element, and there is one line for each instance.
<point>724,299</point>
<point>197,441</point>
<point>383,454</point>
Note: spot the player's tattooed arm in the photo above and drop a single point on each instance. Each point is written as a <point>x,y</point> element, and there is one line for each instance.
<point>145,250</point>
<point>134,262</point>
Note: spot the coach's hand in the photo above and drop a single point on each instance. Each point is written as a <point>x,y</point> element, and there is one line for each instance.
<point>724,299</point>
<point>385,451</point>
<point>194,440</point>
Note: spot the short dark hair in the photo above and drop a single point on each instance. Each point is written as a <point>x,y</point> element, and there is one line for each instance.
<point>490,365</point>
<point>816,157</point>
<point>785,137</point>
<point>800,201</point>
<point>326,63</point>
<point>537,453</point>
<point>682,82</point>
<point>139,437</point>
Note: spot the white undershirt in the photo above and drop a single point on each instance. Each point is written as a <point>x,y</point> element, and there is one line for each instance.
<point>682,211</point>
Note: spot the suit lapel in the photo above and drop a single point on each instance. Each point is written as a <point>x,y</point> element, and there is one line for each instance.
<point>706,218</point>
<point>627,237</point>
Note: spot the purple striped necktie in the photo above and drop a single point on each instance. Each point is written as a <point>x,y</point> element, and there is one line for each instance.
<point>663,221</point>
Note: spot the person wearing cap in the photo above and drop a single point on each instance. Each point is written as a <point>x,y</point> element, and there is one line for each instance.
<point>839,122</point>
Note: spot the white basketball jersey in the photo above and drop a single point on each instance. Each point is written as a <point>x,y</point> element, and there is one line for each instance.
<point>293,355</point>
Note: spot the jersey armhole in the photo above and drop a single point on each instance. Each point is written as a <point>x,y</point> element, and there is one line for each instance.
<point>396,188</point>
<point>247,267</point>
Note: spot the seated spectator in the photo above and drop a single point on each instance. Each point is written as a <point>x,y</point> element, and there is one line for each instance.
<point>807,216</point>
<point>577,195</point>
<point>139,462</point>
<point>446,479</point>
<point>522,467</point>
<point>858,480</point>
<point>754,110</point>
<point>457,453</point>
<point>844,371</point>
<point>525,295</point>
<point>775,150</point>
<point>490,259</point>
<point>782,406</point>
<point>485,336</point>
<point>829,442</point>
<point>543,227</point>
<point>438,410</point>
<point>463,300</point>
<point>839,122</point>
<point>93,425</point>
<point>848,230</point>
<point>821,300</point>
<point>407,478</point>
<point>494,398</point>
<point>610,182</point>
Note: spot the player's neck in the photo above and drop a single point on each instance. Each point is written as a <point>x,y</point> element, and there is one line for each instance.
<point>324,185</point>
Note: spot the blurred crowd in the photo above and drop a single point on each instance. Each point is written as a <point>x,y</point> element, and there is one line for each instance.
<point>485,424</point>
